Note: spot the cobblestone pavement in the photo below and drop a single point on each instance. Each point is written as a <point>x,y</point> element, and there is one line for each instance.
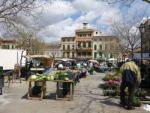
<point>88,98</point>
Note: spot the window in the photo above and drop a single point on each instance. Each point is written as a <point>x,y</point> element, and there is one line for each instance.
<point>95,54</point>
<point>96,32</point>
<point>79,54</point>
<point>95,47</point>
<point>5,47</point>
<point>68,47</point>
<point>112,47</point>
<point>84,35</point>
<point>79,35</point>
<point>72,54</point>
<point>84,44</point>
<point>84,53</point>
<point>89,34</point>
<point>89,44</point>
<point>79,44</point>
<point>100,54</point>
<point>63,54</point>
<point>67,54</point>
<point>89,53</point>
<point>111,55</point>
<point>63,40</point>
<point>105,47</point>
<point>12,46</point>
<point>63,47</point>
<point>100,47</point>
<point>72,46</point>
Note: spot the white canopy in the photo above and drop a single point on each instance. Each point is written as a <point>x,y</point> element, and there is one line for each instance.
<point>93,61</point>
<point>67,59</point>
<point>112,59</point>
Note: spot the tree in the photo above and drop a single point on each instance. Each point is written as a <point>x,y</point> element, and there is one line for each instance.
<point>10,8</point>
<point>128,34</point>
<point>29,42</point>
<point>125,2</point>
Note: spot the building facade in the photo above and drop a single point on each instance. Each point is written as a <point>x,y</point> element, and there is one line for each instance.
<point>105,47</point>
<point>83,40</point>
<point>145,39</point>
<point>7,44</point>
<point>145,51</point>
<point>53,50</point>
<point>68,47</point>
<point>89,44</point>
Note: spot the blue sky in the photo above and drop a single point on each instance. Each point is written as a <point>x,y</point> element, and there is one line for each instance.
<point>58,18</point>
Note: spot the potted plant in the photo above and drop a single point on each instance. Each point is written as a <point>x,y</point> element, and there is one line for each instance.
<point>136,102</point>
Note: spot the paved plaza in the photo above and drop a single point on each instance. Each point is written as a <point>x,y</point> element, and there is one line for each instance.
<point>88,98</point>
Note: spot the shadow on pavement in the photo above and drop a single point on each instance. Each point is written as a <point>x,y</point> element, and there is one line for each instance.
<point>109,102</point>
<point>51,96</point>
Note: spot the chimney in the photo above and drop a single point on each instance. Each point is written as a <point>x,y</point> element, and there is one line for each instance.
<point>85,25</point>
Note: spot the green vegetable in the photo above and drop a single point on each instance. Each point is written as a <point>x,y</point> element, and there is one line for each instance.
<point>61,75</point>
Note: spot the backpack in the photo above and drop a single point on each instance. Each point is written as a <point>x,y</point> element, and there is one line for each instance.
<point>129,76</point>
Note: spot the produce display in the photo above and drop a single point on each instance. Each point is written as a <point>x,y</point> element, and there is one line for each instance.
<point>111,84</point>
<point>61,76</point>
<point>136,101</point>
<point>91,70</point>
<point>55,76</point>
<point>111,87</point>
<point>41,77</point>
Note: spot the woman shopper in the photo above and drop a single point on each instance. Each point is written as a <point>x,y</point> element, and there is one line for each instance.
<point>130,79</point>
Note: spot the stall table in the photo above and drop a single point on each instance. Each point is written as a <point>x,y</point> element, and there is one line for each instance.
<point>71,89</point>
<point>42,93</point>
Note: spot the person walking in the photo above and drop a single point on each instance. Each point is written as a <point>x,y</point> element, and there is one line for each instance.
<point>130,79</point>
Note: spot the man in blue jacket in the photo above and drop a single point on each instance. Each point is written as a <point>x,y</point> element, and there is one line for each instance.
<point>130,79</point>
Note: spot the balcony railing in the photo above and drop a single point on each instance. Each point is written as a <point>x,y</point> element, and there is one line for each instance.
<point>84,48</point>
<point>85,57</point>
<point>69,49</point>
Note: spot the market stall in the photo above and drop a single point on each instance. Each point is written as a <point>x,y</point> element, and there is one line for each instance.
<point>39,73</point>
<point>111,87</point>
<point>65,82</point>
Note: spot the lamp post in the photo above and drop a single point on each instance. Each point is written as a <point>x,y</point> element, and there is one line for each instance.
<point>142,30</point>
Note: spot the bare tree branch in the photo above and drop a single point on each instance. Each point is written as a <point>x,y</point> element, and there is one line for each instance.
<point>10,8</point>
<point>124,2</point>
<point>128,34</point>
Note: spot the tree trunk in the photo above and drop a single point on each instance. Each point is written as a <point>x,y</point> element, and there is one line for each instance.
<point>132,53</point>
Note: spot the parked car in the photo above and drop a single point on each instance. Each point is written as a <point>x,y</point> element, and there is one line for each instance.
<point>102,68</point>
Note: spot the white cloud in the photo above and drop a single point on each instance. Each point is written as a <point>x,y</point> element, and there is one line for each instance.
<point>92,11</point>
<point>59,18</point>
<point>85,5</point>
<point>60,29</point>
<point>109,17</point>
<point>55,11</point>
<point>89,17</point>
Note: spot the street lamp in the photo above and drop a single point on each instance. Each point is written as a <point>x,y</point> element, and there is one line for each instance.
<point>142,31</point>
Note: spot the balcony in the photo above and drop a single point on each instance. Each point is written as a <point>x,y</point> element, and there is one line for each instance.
<point>84,49</point>
<point>83,39</point>
<point>85,57</point>
<point>68,50</point>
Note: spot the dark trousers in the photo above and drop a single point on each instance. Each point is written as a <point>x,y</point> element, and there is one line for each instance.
<point>131,89</point>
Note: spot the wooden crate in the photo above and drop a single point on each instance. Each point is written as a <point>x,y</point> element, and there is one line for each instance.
<point>43,90</point>
<point>71,89</point>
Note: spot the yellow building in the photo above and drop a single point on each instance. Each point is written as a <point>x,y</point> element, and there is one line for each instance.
<point>83,40</point>
<point>89,44</point>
